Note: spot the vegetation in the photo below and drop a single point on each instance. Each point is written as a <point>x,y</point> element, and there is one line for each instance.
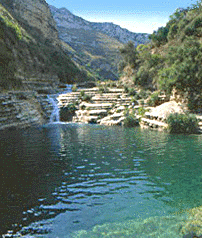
<point>131,121</point>
<point>70,108</point>
<point>153,100</point>
<point>25,51</point>
<point>172,60</point>
<point>182,123</point>
<point>74,88</point>
<point>84,97</point>
<point>103,89</point>
<point>141,111</point>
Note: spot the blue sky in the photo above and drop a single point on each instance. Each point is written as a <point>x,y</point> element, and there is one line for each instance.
<point>137,16</point>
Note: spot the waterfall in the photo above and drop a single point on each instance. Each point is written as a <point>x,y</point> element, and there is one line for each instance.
<point>55,115</point>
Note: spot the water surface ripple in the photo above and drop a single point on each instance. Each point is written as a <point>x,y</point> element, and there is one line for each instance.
<point>65,178</point>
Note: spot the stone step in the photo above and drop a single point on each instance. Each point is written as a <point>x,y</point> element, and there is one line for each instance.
<point>101,112</point>
<point>96,106</point>
<point>154,123</point>
<point>96,89</point>
<point>111,122</point>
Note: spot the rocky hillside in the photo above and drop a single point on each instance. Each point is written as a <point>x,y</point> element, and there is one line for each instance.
<point>121,34</point>
<point>94,45</point>
<point>31,51</point>
<point>32,62</point>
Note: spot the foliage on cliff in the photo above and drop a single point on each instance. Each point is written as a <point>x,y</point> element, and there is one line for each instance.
<point>25,52</point>
<point>173,59</point>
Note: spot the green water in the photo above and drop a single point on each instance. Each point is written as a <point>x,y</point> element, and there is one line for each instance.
<point>69,180</point>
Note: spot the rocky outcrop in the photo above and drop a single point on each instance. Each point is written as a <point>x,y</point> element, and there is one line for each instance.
<point>155,117</point>
<point>20,109</point>
<point>107,108</point>
<point>114,107</point>
<point>94,45</point>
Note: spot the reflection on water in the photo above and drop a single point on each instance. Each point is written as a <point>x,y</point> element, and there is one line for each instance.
<point>64,179</point>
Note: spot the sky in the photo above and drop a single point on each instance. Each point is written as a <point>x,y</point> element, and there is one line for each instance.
<point>143,16</point>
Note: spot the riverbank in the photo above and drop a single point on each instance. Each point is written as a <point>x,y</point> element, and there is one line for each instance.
<point>26,108</point>
<point>96,105</point>
<point>112,106</point>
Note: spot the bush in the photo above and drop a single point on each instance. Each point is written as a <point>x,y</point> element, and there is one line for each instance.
<point>103,89</point>
<point>74,88</point>
<point>131,121</point>
<point>131,92</point>
<point>141,111</point>
<point>144,94</point>
<point>70,108</point>
<point>153,100</point>
<point>84,97</point>
<point>182,123</point>
<point>172,31</point>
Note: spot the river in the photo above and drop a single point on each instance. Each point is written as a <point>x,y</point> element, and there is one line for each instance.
<point>80,180</point>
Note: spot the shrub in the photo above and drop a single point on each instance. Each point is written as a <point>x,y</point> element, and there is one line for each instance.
<point>126,112</point>
<point>153,100</point>
<point>182,123</point>
<point>83,107</point>
<point>134,99</point>
<point>70,108</point>
<point>144,94</point>
<point>74,88</point>
<point>131,121</point>
<point>126,89</point>
<point>86,98</point>
<point>131,92</point>
<point>141,111</point>
<point>103,89</point>
<point>172,31</point>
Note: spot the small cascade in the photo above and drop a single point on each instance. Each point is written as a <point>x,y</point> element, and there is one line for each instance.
<point>55,115</point>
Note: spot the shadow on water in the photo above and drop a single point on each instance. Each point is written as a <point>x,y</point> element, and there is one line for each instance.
<point>64,178</point>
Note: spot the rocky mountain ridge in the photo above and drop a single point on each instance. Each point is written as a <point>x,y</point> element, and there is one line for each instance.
<point>94,45</point>
<point>64,18</point>
<point>121,34</point>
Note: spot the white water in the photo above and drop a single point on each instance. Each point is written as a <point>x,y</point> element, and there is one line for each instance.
<point>55,116</point>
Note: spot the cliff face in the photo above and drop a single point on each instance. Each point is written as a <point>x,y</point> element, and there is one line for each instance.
<point>35,14</point>
<point>121,34</point>
<point>32,47</point>
<point>32,62</point>
<point>94,45</point>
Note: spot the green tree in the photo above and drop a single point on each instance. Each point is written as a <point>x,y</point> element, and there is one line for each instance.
<point>129,54</point>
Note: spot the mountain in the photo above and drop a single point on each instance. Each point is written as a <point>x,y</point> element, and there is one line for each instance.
<point>94,45</point>
<point>31,51</point>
